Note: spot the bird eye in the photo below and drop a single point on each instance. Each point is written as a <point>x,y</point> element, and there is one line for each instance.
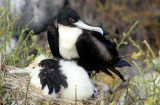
<point>71,19</point>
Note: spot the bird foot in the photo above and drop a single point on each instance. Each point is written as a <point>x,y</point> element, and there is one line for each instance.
<point>104,89</point>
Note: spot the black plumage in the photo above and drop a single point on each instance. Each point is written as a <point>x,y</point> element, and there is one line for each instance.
<point>95,52</point>
<point>52,33</point>
<point>52,76</point>
<point>91,57</point>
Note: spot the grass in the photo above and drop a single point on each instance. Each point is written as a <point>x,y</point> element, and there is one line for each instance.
<point>25,52</point>
<point>75,95</point>
<point>152,84</point>
<point>22,52</point>
<point>27,91</point>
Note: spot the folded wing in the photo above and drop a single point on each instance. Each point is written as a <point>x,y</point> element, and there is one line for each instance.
<point>97,53</point>
<point>53,41</point>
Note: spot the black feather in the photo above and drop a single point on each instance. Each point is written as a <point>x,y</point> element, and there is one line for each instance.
<point>91,58</point>
<point>121,63</point>
<point>110,46</point>
<point>118,73</point>
<point>53,40</point>
<point>109,73</point>
<point>94,50</point>
<point>104,31</point>
<point>52,76</point>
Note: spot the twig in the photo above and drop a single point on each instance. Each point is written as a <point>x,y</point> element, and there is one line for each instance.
<point>27,91</point>
<point>7,27</point>
<point>125,35</point>
<point>0,60</point>
<point>75,95</point>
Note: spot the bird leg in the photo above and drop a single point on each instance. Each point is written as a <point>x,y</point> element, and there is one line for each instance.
<point>103,91</point>
<point>104,87</point>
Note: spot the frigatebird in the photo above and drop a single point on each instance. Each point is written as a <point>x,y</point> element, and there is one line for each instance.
<point>73,39</point>
<point>56,77</point>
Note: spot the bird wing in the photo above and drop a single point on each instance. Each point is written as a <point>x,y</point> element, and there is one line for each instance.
<point>52,76</point>
<point>121,63</point>
<point>97,53</point>
<point>53,41</point>
<point>93,53</point>
<point>110,46</point>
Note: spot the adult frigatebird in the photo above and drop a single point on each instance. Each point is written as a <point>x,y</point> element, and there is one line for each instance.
<point>73,39</point>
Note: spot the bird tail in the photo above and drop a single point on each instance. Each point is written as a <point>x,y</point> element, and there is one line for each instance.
<point>121,63</point>
<point>107,71</point>
<point>117,73</point>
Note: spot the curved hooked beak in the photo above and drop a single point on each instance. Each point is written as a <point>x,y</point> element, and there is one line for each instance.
<point>83,25</point>
<point>104,31</point>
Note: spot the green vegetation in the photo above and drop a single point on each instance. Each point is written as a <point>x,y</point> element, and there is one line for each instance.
<point>25,51</point>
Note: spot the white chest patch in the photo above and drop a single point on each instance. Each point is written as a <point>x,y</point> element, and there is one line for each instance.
<point>67,39</point>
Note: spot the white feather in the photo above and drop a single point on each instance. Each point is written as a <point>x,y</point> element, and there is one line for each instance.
<point>77,78</point>
<point>36,61</point>
<point>67,39</point>
<point>35,81</point>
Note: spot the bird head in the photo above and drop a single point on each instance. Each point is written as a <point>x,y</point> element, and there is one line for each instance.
<point>69,17</point>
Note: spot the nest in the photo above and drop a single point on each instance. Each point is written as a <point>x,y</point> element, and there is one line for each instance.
<point>18,84</point>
